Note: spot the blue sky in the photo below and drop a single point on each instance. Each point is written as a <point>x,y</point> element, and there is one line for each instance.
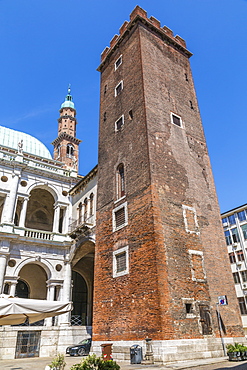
<point>47,44</point>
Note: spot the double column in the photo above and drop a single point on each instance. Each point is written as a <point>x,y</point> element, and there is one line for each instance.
<point>4,253</point>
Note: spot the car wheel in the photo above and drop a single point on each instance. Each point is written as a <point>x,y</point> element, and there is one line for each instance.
<point>81,352</point>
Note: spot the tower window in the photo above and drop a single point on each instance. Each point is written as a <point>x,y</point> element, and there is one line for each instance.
<point>105,89</point>
<point>118,62</point>
<point>131,114</point>
<point>119,88</point>
<point>119,123</point>
<point>120,181</point>
<point>70,150</point>
<point>58,151</point>
<point>121,262</point>
<point>176,120</point>
<point>191,105</point>
<point>120,216</point>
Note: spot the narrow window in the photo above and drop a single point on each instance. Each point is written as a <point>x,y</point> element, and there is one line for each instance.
<point>242,305</point>
<point>119,123</point>
<point>70,150</point>
<point>244,230</point>
<point>225,222</point>
<point>91,204</point>
<point>240,256</point>
<point>119,88</point>
<point>105,89</point>
<point>244,276</point>
<point>228,237</point>
<point>58,151</point>
<point>104,117</point>
<point>186,77</point>
<point>191,105</point>
<point>236,278</point>
<point>120,216</point>
<point>121,262</point>
<point>118,62</point>
<point>188,307</point>
<point>235,236</point>
<point>131,114</point>
<point>80,213</point>
<point>231,220</point>
<point>85,209</point>
<point>176,120</point>
<point>232,257</point>
<point>120,181</point>
<point>241,216</point>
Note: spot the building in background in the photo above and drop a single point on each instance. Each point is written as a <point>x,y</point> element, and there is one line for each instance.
<point>38,258</point>
<point>235,229</point>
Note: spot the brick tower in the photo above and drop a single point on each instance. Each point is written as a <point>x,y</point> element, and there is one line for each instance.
<point>160,259</point>
<point>66,145</point>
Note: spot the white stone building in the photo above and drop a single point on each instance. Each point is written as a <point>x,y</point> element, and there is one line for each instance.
<point>235,230</point>
<point>39,198</point>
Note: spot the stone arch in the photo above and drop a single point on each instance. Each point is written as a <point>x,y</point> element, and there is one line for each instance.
<point>35,277</point>
<point>40,209</point>
<point>46,265</point>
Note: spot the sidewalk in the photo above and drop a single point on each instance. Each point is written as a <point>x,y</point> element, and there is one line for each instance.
<point>37,363</point>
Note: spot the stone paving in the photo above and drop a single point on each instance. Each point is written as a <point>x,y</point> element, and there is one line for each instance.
<point>205,364</point>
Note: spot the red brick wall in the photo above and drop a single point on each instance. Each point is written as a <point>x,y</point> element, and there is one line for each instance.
<point>166,167</point>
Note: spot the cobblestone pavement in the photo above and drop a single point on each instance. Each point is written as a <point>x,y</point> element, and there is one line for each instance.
<point>207,364</point>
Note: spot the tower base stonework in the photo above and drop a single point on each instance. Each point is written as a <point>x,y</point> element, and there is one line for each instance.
<point>168,351</point>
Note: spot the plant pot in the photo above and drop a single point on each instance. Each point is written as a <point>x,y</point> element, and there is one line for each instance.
<point>234,356</point>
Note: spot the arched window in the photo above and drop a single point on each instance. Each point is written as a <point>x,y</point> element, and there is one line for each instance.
<point>91,204</point>
<point>80,212</point>
<point>70,150</point>
<point>85,209</point>
<point>120,181</point>
<point>22,290</point>
<point>58,151</point>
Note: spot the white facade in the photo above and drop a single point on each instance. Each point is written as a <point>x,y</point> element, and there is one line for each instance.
<point>40,255</point>
<point>235,228</point>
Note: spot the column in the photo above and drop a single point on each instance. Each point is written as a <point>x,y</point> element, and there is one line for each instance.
<point>66,294</point>
<point>12,288</point>
<point>3,261</point>
<point>50,297</point>
<point>10,202</point>
<point>56,218</point>
<point>23,212</point>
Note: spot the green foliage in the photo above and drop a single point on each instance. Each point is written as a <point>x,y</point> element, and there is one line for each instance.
<point>58,362</point>
<point>96,363</point>
<point>236,347</point>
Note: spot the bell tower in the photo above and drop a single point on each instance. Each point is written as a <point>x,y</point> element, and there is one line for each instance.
<point>66,145</point>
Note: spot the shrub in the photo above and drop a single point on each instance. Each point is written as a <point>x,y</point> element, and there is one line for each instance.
<point>58,363</point>
<point>96,363</point>
<point>236,347</point>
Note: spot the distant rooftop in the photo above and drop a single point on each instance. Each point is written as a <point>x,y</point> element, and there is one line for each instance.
<point>10,138</point>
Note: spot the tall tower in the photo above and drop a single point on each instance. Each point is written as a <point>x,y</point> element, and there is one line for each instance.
<point>66,145</point>
<point>160,257</point>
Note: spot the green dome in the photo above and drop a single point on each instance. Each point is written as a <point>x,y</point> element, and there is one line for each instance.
<point>68,103</point>
<point>31,145</point>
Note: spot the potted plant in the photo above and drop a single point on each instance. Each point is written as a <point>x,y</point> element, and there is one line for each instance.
<point>236,352</point>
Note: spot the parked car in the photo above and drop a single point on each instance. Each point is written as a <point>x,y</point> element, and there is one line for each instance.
<point>80,349</point>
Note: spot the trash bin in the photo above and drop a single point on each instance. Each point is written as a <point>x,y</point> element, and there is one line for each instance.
<point>135,354</point>
<point>107,351</point>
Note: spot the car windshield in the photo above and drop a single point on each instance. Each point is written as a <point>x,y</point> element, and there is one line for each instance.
<point>85,341</point>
